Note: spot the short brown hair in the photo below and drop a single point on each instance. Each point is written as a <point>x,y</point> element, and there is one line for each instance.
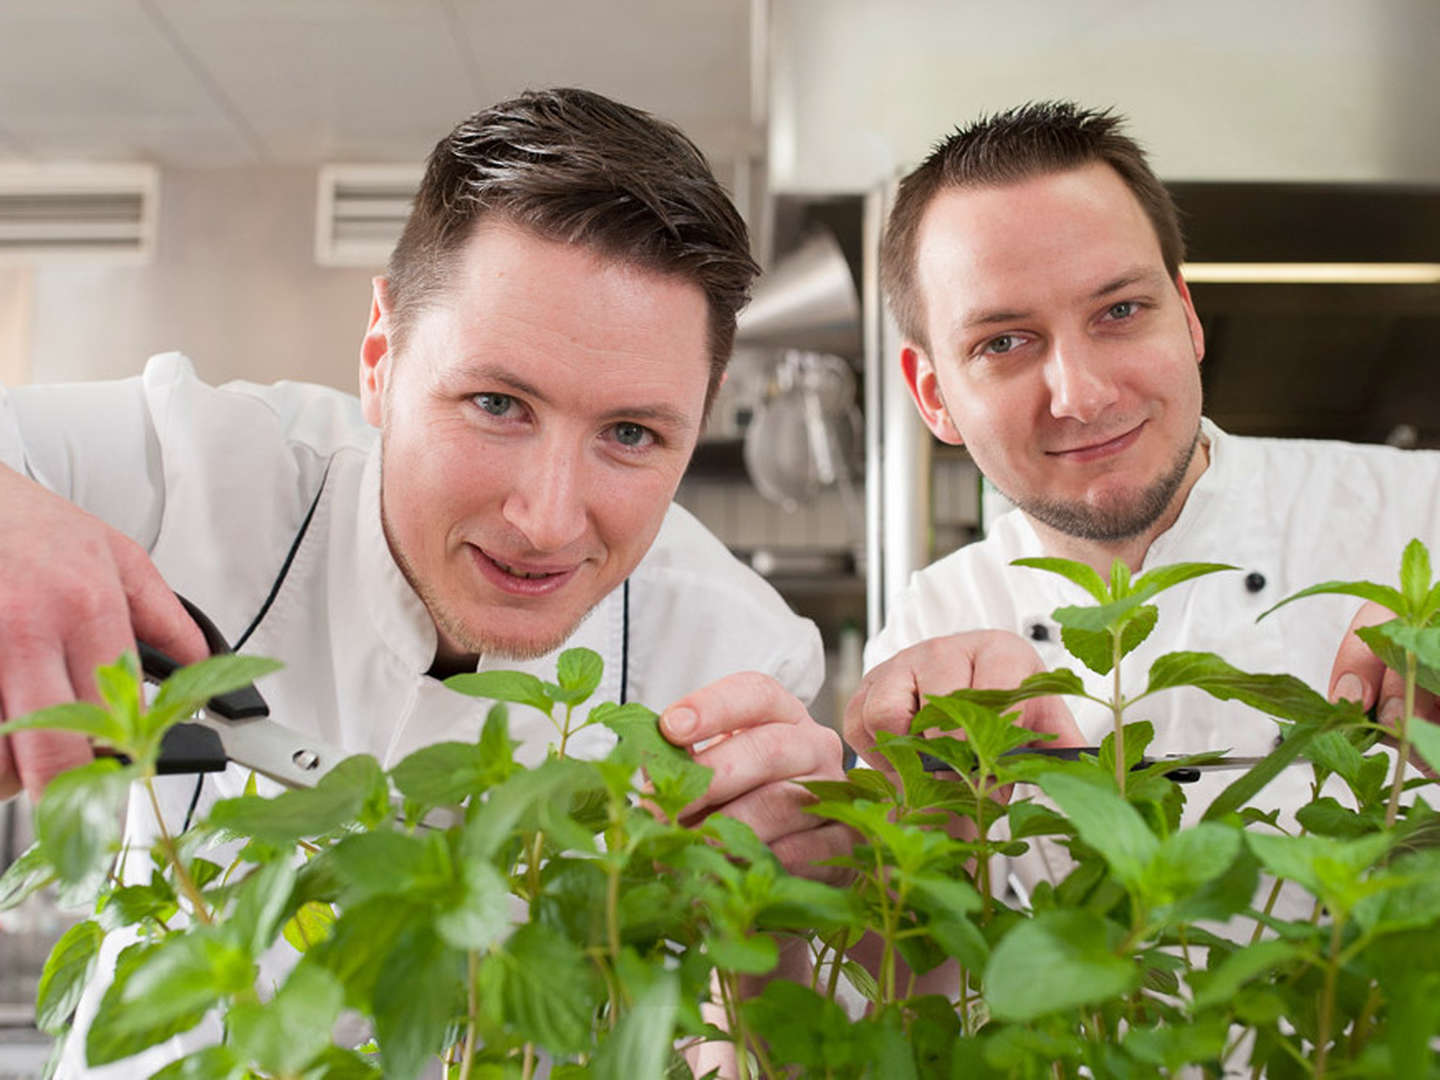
<point>573,166</point>
<point>1030,140</point>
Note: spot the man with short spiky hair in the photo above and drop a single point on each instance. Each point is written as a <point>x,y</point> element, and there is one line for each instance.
<point>536,370</point>
<point>1033,264</point>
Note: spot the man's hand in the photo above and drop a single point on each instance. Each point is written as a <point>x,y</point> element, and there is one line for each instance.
<point>890,695</point>
<point>74,593</point>
<point>761,741</point>
<point>1359,675</point>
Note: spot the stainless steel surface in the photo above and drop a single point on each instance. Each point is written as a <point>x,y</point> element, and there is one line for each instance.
<point>273,751</point>
<point>897,444</point>
<point>805,301</point>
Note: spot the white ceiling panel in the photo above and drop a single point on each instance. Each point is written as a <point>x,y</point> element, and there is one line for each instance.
<point>99,80</point>
<point>227,82</point>
<point>320,81</point>
<point>688,60</point>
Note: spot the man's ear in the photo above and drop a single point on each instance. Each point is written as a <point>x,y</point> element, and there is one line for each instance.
<point>924,387</point>
<point>375,358</point>
<point>1192,321</point>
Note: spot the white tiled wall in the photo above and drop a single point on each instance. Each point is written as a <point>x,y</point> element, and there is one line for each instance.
<point>745,520</point>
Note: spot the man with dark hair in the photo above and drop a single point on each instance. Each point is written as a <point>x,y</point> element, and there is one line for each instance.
<point>1033,263</point>
<point>534,377</point>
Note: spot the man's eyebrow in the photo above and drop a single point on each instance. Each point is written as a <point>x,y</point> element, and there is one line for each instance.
<point>663,415</point>
<point>1139,276</point>
<point>494,374</point>
<point>991,317</point>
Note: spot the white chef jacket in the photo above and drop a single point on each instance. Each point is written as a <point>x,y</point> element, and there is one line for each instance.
<point>1294,512</point>
<point>217,484</point>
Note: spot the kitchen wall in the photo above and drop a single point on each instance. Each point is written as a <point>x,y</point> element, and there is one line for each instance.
<point>1226,90</point>
<point>234,284</point>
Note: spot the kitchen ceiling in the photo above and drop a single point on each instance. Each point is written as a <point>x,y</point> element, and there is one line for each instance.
<point>213,83</point>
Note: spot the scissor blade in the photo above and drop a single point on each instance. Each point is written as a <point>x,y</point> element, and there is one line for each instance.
<point>272,750</point>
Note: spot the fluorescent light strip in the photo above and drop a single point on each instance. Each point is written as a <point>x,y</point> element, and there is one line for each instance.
<point>1314,273</point>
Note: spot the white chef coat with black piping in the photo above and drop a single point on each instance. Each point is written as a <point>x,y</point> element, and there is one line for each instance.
<point>1288,513</point>
<point>217,482</point>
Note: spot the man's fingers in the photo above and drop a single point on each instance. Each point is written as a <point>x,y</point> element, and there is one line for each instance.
<point>156,615</point>
<point>40,756</point>
<point>9,775</point>
<point>800,852</point>
<point>756,758</point>
<point>1357,673</point>
<point>743,700</point>
<point>1050,715</point>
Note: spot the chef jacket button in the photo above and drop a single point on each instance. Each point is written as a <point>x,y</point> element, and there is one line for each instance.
<point>1254,581</point>
<point>1039,632</point>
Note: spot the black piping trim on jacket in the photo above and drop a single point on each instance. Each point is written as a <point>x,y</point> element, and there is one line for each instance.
<point>625,641</point>
<point>264,610</point>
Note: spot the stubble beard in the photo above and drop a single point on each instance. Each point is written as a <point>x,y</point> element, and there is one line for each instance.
<point>1109,523</point>
<point>449,626</point>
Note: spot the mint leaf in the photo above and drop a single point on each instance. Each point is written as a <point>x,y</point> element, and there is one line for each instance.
<point>77,716</point>
<point>77,822</point>
<point>1058,960</point>
<point>1415,576</point>
<point>66,972</point>
<point>640,1044</point>
<point>579,673</point>
<point>192,686</point>
<point>516,687</point>
<point>342,795</point>
<point>1080,573</point>
<point>548,988</point>
<point>286,1033</point>
<point>420,987</point>
<point>1383,595</point>
<point>26,876</point>
<point>1107,823</point>
<point>1390,641</point>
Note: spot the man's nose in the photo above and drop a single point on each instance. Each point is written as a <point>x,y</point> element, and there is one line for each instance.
<point>1080,382</point>
<point>546,502</point>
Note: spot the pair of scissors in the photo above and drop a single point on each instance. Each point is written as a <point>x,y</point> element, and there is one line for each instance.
<point>235,727</point>
<point>1184,772</point>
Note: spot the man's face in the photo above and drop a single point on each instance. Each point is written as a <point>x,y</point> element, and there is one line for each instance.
<point>1061,354</point>
<point>534,430</point>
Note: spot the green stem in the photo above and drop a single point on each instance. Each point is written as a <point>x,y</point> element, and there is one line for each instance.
<point>1269,907</point>
<point>740,1037</point>
<point>833,983</point>
<point>612,912</point>
<point>1117,707</point>
<point>1360,1033</point>
<point>187,883</point>
<point>473,1009</point>
<point>1327,1000</point>
<point>565,730</point>
<point>1403,757</point>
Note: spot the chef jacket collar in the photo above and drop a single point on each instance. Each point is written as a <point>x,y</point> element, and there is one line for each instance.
<point>400,617</point>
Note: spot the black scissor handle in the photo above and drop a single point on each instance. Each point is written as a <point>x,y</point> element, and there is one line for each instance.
<point>242,704</point>
<point>1181,774</point>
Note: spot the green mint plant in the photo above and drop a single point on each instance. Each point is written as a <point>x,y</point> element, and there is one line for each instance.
<point>1409,644</point>
<point>503,920</point>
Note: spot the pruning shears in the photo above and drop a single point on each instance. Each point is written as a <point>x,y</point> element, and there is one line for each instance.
<point>235,727</point>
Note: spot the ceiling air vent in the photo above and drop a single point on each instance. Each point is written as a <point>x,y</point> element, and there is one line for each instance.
<point>78,212</point>
<point>361,211</point>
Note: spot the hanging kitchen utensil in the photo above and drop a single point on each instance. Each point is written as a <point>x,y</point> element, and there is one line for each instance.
<point>808,433</point>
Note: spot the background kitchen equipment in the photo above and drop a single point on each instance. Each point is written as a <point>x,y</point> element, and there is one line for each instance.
<point>808,434</point>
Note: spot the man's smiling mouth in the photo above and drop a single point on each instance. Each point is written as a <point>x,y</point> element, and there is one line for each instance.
<point>527,574</point>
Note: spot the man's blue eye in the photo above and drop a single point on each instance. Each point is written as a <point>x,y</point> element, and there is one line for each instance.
<point>630,434</point>
<point>494,404</point>
<point>1122,310</point>
<point>1002,344</point>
